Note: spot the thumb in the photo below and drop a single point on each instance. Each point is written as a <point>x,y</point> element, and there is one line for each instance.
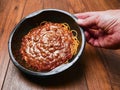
<point>88,21</point>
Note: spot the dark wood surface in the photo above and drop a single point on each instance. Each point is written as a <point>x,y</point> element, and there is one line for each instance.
<point>97,69</point>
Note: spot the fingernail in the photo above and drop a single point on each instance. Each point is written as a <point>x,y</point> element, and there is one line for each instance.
<point>80,21</point>
<point>76,14</point>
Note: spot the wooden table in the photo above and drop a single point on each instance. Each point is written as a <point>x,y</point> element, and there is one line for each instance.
<point>97,69</point>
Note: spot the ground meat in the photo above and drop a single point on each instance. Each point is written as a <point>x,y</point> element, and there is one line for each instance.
<point>47,46</point>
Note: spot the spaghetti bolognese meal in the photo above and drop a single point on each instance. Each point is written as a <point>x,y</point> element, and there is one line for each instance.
<point>49,45</point>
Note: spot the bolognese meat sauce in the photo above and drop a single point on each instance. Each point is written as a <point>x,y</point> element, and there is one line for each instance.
<point>47,46</point>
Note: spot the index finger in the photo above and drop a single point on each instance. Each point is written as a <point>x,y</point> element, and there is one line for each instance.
<point>85,14</point>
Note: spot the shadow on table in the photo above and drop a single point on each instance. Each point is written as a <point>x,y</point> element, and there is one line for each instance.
<point>71,75</point>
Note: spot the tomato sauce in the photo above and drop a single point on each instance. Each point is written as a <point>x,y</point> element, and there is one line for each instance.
<point>47,46</point>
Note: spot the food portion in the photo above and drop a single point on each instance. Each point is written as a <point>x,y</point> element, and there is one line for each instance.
<point>48,46</point>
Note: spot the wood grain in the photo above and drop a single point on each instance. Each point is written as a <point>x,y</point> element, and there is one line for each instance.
<point>3,16</point>
<point>97,69</point>
<point>60,80</point>
<point>111,59</point>
<point>95,72</point>
<point>9,17</point>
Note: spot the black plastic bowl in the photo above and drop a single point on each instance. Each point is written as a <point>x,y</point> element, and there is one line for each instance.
<point>31,21</point>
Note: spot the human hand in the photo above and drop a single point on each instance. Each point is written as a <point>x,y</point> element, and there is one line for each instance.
<point>102,28</point>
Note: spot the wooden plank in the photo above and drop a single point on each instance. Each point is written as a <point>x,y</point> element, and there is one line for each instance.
<point>13,12</point>
<point>116,87</point>
<point>15,80</point>
<point>70,80</point>
<point>6,24</point>
<point>4,9</point>
<point>99,76</point>
<point>96,5</point>
<point>32,6</point>
<point>96,75</point>
<point>76,6</point>
<point>74,77</point>
<point>56,4</point>
<point>113,4</point>
<point>111,59</point>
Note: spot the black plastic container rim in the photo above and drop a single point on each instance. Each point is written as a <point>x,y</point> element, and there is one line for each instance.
<point>44,73</point>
